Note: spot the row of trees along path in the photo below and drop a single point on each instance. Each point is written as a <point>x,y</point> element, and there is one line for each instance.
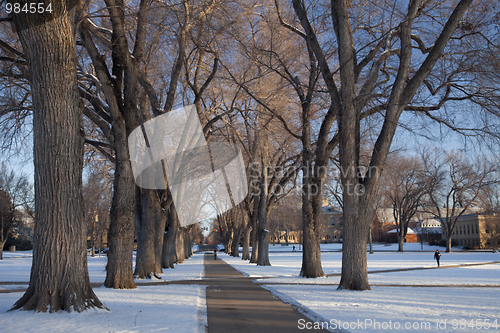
<point>349,77</point>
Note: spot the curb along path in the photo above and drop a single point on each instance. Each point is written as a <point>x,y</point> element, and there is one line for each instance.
<point>236,304</point>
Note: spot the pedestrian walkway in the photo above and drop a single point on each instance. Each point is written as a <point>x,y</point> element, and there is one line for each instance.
<point>236,304</point>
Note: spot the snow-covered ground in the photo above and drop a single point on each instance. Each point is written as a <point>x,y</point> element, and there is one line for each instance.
<point>458,299</point>
<point>163,308</point>
<point>438,304</point>
<point>16,267</point>
<point>169,308</point>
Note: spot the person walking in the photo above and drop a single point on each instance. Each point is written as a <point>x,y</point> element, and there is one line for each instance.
<point>215,254</point>
<point>437,256</point>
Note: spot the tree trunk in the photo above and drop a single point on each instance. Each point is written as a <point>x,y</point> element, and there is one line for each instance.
<point>448,243</point>
<point>235,252</point>
<point>354,258</point>
<point>311,251</point>
<point>255,242</point>
<point>370,239</point>
<point>169,257</point>
<point>180,246</point>
<point>400,240</point>
<point>188,246</point>
<point>59,275</point>
<point>145,259</point>
<point>161,221</point>
<point>263,258</point>
<point>2,244</point>
<point>119,272</point>
<point>246,245</point>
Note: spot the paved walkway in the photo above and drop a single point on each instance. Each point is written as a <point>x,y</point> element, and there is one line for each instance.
<point>236,304</point>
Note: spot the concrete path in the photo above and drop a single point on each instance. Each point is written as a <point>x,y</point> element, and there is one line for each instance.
<point>236,304</point>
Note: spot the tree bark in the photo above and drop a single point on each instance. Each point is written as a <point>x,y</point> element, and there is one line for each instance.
<point>235,252</point>
<point>255,240</point>
<point>145,259</point>
<point>246,244</point>
<point>263,234</point>
<point>188,242</point>
<point>181,255</point>
<point>119,273</point>
<point>311,251</point>
<point>161,221</point>
<point>169,257</point>
<point>59,275</point>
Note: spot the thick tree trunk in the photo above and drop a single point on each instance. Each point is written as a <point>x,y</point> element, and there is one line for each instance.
<point>169,257</point>
<point>235,252</point>
<point>354,257</point>
<point>2,244</point>
<point>448,243</point>
<point>188,246</point>
<point>311,250</point>
<point>180,246</point>
<point>228,236</point>
<point>400,241</point>
<point>119,273</point>
<point>161,221</point>
<point>145,258</point>
<point>255,241</point>
<point>246,245</point>
<point>59,275</point>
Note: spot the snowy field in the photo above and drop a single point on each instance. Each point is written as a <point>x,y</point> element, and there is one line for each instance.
<point>459,299</point>
<point>421,299</point>
<point>16,267</point>
<point>168,308</point>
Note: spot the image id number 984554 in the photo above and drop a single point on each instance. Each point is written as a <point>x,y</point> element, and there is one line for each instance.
<point>28,8</point>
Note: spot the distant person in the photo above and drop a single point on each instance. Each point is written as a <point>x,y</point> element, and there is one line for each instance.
<point>437,256</point>
<point>215,254</point>
<point>293,250</point>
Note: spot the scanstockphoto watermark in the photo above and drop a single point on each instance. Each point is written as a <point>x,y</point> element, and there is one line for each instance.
<point>385,325</point>
<point>365,324</point>
<point>326,173</point>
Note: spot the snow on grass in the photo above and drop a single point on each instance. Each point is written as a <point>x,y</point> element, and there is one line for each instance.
<point>438,306</point>
<point>16,267</point>
<point>169,308</point>
<point>402,308</point>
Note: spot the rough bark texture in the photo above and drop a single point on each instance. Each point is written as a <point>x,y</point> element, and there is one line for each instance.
<point>169,257</point>
<point>59,276</point>
<point>311,253</point>
<point>119,273</point>
<point>246,244</point>
<point>188,246</point>
<point>145,258</point>
<point>255,239</point>
<point>235,252</point>
<point>161,221</point>
<point>181,255</point>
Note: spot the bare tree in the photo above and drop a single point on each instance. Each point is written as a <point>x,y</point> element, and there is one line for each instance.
<point>370,73</point>
<point>59,276</point>
<point>454,185</point>
<point>405,189</point>
<point>16,193</point>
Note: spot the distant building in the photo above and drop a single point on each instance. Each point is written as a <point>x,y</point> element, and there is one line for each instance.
<point>332,230</point>
<point>475,230</point>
